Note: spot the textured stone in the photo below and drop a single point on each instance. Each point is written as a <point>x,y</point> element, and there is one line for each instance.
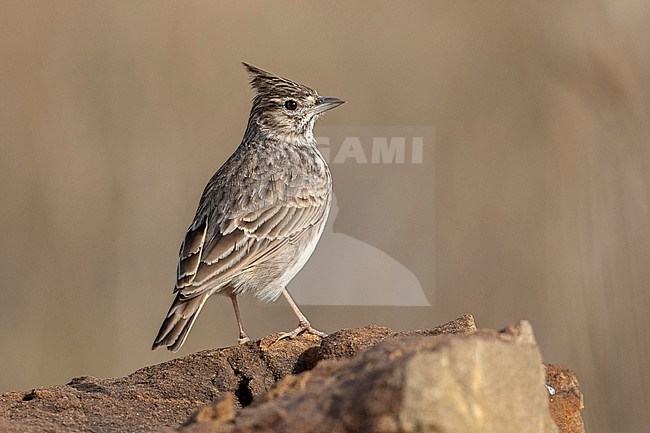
<point>566,402</point>
<point>152,398</point>
<point>451,378</point>
<point>480,382</point>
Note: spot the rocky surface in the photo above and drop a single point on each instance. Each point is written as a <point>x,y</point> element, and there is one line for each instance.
<point>452,378</point>
<point>566,402</point>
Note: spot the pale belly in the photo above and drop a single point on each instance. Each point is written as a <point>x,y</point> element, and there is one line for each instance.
<point>266,280</point>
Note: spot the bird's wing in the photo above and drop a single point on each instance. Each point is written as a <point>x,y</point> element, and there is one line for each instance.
<point>208,261</point>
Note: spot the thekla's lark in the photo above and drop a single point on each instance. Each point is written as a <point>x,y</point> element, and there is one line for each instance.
<point>262,213</point>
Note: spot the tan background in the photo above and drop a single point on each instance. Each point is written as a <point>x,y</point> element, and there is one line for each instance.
<point>114,114</point>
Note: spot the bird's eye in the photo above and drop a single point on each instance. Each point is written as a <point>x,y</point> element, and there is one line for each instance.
<point>291,105</point>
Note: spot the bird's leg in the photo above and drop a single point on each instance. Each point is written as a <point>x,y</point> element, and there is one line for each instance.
<point>243,338</point>
<point>303,323</point>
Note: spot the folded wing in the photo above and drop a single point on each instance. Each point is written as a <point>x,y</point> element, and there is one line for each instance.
<point>211,257</point>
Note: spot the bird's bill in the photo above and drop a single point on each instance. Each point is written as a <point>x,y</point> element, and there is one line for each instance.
<point>325,103</point>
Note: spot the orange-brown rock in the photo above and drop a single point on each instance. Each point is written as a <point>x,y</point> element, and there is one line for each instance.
<point>566,402</point>
<point>449,378</point>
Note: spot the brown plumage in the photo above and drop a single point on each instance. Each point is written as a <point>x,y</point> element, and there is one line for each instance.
<point>261,214</point>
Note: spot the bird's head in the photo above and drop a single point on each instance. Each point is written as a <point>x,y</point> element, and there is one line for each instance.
<point>283,108</point>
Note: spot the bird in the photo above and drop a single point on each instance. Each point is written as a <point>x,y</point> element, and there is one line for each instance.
<point>260,215</point>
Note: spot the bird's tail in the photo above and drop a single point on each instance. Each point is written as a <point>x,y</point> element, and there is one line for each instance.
<point>179,321</point>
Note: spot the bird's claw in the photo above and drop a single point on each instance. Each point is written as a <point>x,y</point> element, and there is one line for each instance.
<point>301,329</point>
<point>243,339</point>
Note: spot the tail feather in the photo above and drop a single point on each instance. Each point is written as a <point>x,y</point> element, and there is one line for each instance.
<point>178,323</point>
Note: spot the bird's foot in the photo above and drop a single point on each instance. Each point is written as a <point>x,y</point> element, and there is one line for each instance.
<point>301,329</point>
<point>243,338</point>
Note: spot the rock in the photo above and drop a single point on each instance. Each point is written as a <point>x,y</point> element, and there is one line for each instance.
<point>449,378</point>
<point>480,382</point>
<point>463,325</point>
<point>566,402</point>
<point>163,395</point>
<point>221,412</point>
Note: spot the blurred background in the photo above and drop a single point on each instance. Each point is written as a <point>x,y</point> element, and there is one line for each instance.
<point>533,202</point>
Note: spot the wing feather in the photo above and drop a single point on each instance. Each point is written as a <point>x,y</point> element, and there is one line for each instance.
<point>224,246</point>
<point>242,242</point>
<point>264,230</point>
<point>190,255</point>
